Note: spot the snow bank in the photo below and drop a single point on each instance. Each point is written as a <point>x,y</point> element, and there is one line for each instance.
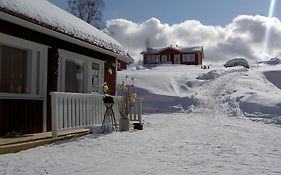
<point>208,76</point>
<point>258,97</point>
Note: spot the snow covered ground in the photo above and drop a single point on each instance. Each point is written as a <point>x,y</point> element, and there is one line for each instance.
<point>197,121</point>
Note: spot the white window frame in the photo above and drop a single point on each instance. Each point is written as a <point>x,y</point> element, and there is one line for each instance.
<point>188,57</point>
<point>33,49</point>
<point>67,55</point>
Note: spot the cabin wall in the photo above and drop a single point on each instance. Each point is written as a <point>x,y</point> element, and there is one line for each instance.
<point>21,116</point>
<point>121,65</point>
<point>26,116</point>
<point>145,59</point>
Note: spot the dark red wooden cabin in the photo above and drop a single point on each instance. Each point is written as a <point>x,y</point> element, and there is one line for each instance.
<point>173,55</point>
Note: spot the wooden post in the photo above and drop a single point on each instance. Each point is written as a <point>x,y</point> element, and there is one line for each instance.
<point>54,105</point>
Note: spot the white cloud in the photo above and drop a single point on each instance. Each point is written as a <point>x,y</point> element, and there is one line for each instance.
<point>243,37</point>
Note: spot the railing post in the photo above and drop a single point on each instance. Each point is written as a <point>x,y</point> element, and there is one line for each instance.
<point>54,105</point>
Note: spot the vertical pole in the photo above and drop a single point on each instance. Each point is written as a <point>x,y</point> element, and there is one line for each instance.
<point>43,85</point>
<point>140,109</point>
<point>54,115</point>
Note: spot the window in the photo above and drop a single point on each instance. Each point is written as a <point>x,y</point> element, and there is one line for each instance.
<point>188,58</point>
<point>79,73</point>
<point>164,59</point>
<point>21,68</point>
<point>14,74</point>
<point>153,59</point>
<point>74,76</point>
<point>95,77</point>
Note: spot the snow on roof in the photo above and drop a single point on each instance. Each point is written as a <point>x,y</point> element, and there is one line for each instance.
<point>46,14</point>
<point>191,49</point>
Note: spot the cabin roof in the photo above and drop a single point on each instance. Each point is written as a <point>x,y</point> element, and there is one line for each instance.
<point>51,17</point>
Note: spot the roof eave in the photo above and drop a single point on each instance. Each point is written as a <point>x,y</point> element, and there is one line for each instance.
<point>36,27</point>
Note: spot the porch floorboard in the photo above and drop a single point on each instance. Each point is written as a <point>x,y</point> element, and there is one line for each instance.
<point>16,144</point>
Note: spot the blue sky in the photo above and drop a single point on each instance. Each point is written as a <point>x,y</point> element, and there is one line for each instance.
<point>209,12</point>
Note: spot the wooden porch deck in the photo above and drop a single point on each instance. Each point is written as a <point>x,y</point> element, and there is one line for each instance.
<point>19,143</point>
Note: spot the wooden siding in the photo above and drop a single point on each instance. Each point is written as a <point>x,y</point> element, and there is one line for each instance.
<point>121,65</point>
<point>110,78</point>
<point>145,59</point>
<point>22,116</point>
<point>169,51</point>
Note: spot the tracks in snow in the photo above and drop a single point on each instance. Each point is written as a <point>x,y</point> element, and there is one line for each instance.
<point>215,94</point>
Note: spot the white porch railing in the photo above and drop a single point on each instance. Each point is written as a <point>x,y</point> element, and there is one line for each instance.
<point>77,110</point>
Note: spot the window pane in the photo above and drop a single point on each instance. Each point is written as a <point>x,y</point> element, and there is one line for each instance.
<point>14,73</point>
<point>74,76</point>
<point>188,58</point>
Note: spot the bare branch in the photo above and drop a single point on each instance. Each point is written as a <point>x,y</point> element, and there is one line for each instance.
<point>88,10</point>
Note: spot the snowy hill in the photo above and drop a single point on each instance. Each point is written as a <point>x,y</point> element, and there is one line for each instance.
<point>253,93</point>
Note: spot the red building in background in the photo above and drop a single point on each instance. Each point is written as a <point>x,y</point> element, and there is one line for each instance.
<point>174,55</point>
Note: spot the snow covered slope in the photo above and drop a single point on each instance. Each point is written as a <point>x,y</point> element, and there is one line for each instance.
<point>235,91</point>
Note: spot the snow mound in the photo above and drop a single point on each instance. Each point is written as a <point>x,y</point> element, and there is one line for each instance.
<point>262,108</point>
<point>237,62</point>
<point>209,76</point>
